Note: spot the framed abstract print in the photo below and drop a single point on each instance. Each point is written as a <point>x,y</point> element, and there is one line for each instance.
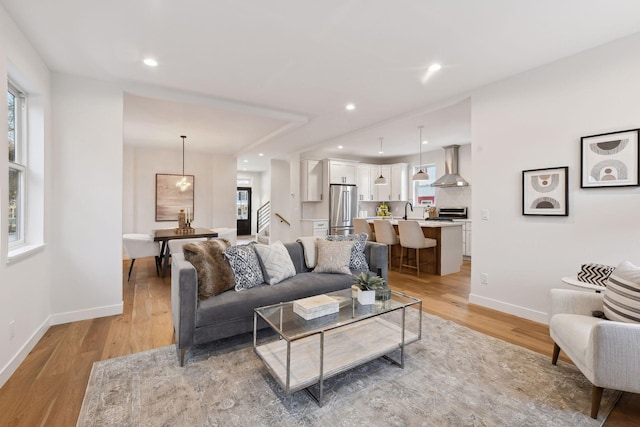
<point>545,191</point>
<point>610,160</point>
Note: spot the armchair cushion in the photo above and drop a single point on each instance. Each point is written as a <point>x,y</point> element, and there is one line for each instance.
<point>622,294</point>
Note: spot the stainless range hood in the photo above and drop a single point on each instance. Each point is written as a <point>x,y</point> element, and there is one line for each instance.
<point>451,177</point>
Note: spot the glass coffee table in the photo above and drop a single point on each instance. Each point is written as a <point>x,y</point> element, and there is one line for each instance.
<point>304,353</point>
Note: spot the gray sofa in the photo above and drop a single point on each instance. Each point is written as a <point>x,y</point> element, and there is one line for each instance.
<point>231,313</point>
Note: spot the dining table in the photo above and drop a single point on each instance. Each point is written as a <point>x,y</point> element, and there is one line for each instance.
<point>166,234</point>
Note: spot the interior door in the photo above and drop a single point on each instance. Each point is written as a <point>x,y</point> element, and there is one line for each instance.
<point>243,207</point>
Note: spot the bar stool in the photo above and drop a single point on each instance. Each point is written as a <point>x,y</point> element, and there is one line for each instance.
<point>412,237</point>
<point>362,226</point>
<point>386,234</point>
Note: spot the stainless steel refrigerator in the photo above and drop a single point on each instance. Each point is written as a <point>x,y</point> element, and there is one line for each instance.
<point>343,207</point>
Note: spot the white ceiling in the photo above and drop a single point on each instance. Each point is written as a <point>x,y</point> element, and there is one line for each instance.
<point>274,76</point>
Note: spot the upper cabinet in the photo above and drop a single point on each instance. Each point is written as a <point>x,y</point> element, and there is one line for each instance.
<point>365,189</point>
<point>311,180</point>
<point>341,172</point>
<point>399,182</point>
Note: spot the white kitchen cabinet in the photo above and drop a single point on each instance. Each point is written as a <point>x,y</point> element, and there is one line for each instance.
<point>399,182</point>
<point>315,227</point>
<point>311,180</point>
<point>381,193</point>
<point>341,172</point>
<point>365,182</point>
<point>466,238</point>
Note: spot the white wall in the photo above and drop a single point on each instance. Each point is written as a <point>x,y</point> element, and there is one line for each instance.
<point>280,201</point>
<point>535,120</point>
<point>212,196</point>
<point>87,206</point>
<point>25,285</point>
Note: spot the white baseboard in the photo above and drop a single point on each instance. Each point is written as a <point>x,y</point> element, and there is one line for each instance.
<point>15,362</point>
<point>516,310</point>
<point>91,313</point>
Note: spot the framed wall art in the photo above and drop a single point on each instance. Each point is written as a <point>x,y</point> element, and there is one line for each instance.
<point>610,160</point>
<point>170,196</point>
<point>545,191</point>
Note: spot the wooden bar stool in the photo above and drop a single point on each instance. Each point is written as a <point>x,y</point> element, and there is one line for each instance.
<point>386,234</point>
<point>412,237</point>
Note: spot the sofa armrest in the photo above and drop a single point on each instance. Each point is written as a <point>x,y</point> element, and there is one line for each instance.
<point>574,302</point>
<point>377,257</point>
<point>614,355</point>
<point>184,299</point>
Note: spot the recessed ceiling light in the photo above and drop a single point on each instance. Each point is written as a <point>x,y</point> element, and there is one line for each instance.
<point>435,67</point>
<point>350,107</point>
<point>260,154</point>
<point>340,147</point>
<point>425,142</point>
<point>150,62</point>
<point>246,161</point>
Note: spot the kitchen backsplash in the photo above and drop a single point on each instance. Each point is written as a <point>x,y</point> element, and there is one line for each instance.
<point>445,197</point>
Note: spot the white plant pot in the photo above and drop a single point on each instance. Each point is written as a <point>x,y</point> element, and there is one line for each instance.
<point>366,297</point>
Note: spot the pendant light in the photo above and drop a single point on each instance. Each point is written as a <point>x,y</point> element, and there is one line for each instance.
<point>183,183</point>
<point>381,180</point>
<point>420,175</point>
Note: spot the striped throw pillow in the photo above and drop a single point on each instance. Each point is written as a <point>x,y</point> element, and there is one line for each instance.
<point>622,294</point>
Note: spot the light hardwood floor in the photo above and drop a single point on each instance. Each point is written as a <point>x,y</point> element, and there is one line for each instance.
<point>48,388</point>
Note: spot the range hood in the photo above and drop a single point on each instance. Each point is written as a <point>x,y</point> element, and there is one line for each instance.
<point>450,177</point>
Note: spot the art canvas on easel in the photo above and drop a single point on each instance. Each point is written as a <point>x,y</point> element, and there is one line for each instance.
<point>170,198</point>
<point>545,191</point>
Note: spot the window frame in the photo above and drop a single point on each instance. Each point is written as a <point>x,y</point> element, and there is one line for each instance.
<point>430,168</point>
<point>19,164</point>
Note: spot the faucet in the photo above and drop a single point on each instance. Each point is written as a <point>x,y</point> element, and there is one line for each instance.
<point>405,209</point>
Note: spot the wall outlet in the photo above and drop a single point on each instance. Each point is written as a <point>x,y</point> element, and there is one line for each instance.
<point>484,278</point>
<point>484,214</point>
<point>12,329</point>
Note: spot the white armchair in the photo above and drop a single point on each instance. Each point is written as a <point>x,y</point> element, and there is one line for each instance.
<point>140,246</point>
<point>607,352</point>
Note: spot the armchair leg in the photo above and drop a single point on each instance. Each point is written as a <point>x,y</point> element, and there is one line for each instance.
<point>556,353</point>
<point>130,268</point>
<point>596,396</point>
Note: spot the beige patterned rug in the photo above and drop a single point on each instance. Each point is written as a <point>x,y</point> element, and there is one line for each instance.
<point>453,377</point>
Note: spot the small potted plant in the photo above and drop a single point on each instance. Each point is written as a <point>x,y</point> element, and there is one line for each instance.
<point>367,287</point>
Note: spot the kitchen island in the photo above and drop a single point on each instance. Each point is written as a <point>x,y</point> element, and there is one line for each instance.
<point>448,253</point>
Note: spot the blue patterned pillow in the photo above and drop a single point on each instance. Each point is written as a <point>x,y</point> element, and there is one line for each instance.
<point>358,260</point>
<point>246,267</point>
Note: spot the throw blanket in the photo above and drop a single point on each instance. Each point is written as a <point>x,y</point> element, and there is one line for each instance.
<point>309,246</point>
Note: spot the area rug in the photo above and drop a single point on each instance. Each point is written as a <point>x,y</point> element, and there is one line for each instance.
<point>454,376</point>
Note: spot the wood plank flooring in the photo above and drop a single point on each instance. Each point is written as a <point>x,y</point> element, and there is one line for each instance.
<point>48,388</point>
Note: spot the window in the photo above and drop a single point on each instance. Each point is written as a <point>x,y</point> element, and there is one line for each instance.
<point>423,193</point>
<point>17,164</point>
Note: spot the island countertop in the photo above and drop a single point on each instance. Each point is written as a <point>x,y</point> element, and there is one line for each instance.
<point>424,224</point>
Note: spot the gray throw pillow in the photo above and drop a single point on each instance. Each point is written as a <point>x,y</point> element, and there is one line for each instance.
<point>214,272</point>
<point>358,260</point>
<point>245,265</point>
<point>276,261</point>
<point>333,257</point>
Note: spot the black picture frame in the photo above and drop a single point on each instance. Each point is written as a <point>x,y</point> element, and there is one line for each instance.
<point>610,160</point>
<point>545,192</point>
<point>169,198</point>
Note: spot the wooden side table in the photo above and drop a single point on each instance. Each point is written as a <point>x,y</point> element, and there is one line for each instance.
<point>573,281</point>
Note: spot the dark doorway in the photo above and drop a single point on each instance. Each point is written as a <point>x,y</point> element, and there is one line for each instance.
<point>243,205</point>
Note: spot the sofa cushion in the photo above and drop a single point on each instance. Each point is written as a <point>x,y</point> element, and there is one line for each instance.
<point>232,306</point>
<point>333,257</point>
<point>358,260</point>
<point>622,294</point>
<point>246,267</point>
<point>213,270</point>
<point>276,262</point>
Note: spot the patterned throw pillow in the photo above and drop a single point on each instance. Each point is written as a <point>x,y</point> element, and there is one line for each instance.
<point>245,265</point>
<point>276,261</point>
<point>333,257</point>
<point>214,272</point>
<point>358,260</point>
<point>622,294</point>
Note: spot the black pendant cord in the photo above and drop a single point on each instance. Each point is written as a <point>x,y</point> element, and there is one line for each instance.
<point>183,137</point>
